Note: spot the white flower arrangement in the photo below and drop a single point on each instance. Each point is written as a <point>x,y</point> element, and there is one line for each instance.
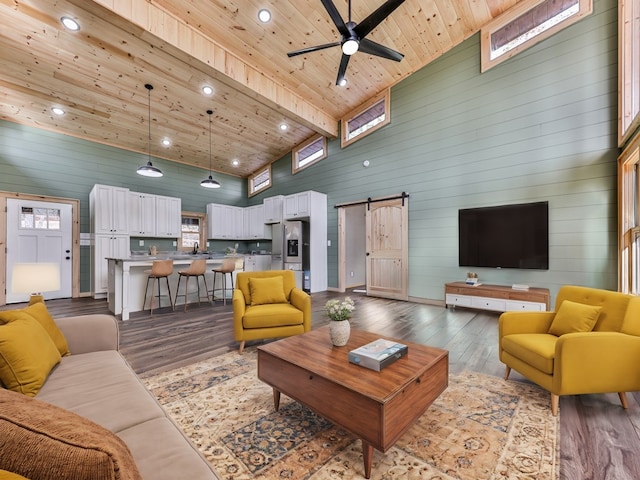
<point>339,310</point>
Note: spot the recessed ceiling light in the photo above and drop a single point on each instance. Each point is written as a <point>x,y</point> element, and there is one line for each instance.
<point>284,126</point>
<point>264,15</point>
<point>207,90</point>
<point>70,24</point>
<point>58,111</point>
<point>235,163</point>
<point>166,142</point>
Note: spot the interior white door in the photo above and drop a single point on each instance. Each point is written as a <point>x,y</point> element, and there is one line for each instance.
<point>39,232</point>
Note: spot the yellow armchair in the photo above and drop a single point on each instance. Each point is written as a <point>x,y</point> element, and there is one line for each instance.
<point>603,359</point>
<point>267,304</point>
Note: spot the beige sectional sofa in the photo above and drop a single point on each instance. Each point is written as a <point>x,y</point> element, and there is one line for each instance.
<point>97,383</point>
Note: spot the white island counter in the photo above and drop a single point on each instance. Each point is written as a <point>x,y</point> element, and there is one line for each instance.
<point>127,281</point>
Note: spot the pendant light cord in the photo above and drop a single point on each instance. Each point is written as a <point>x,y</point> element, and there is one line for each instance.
<point>149,87</point>
<point>209,112</point>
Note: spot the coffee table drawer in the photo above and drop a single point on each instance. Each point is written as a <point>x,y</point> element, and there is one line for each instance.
<point>359,414</point>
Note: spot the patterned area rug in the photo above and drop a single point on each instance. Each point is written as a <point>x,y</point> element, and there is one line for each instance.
<point>481,427</point>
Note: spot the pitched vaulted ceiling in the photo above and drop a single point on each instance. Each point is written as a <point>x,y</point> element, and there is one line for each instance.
<point>98,74</point>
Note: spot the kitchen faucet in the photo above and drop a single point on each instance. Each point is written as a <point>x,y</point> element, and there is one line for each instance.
<point>195,248</point>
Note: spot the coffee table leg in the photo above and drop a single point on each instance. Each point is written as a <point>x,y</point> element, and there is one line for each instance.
<point>276,399</point>
<point>367,456</point>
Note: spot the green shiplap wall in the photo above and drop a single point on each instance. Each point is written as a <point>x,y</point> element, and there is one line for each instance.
<point>541,126</point>
<point>44,163</point>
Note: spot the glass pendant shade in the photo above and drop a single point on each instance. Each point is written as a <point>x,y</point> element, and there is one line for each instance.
<point>210,182</point>
<point>149,170</point>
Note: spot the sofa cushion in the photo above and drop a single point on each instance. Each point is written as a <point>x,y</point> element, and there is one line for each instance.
<point>41,314</point>
<point>274,315</point>
<point>535,349</point>
<point>267,290</point>
<point>101,387</point>
<point>27,355</point>
<point>170,456</point>
<point>41,442</point>
<point>574,317</point>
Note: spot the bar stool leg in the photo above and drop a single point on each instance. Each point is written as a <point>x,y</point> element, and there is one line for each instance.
<point>173,307</point>
<point>206,288</point>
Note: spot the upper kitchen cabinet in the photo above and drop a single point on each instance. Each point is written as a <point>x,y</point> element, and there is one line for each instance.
<point>142,214</point>
<point>298,205</point>
<point>273,209</point>
<point>168,217</point>
<point>255,226</point>
<point>225,222</point>
<point>109,209</point>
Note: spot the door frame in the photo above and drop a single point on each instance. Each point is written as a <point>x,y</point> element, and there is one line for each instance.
<point>75,238</point>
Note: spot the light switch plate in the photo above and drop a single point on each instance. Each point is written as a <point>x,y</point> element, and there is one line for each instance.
<point>328,243</point>
<point>175,243</point>
<point>141,243</point>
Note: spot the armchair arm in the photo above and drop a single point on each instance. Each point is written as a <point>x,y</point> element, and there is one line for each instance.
<point>90,333</point>
<point>596,362</point>
<point>302,301</point>
<point>239,308</point>
<point>524,322</point>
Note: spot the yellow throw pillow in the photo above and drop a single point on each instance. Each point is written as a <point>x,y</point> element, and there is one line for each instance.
<point>267,290</point>
<point>41,314</point>
<point>574,317</point>
<point>27,355</point>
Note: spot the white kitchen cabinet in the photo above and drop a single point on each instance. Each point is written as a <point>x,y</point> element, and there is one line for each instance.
<point>255,227</point>
<point>257,263</point>
<point>108,207</point>
<point>106,246</point>
<point>168,217</point>
<point>273,209</point>
<point>225,222</point>
<point>298,205</point>
<point>142,214</point>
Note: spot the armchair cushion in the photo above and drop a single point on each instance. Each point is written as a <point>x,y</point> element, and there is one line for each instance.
<point>274,315</point>
<point>535,349</point>
<point>267,290</point>
<point>573,317</point>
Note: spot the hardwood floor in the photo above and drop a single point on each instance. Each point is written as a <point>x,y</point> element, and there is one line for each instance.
<point>598,439</point>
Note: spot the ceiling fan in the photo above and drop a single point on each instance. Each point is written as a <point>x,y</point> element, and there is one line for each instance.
<point>353,36</point>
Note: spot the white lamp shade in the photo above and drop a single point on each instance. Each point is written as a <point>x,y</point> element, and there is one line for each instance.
<point>35,277</point>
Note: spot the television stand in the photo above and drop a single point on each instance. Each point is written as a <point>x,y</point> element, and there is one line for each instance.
<point>497,298</point>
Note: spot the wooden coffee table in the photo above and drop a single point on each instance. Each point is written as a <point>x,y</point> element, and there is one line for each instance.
<point>377,407</point>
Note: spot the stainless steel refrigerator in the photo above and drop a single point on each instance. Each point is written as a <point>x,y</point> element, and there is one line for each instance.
<point>290,248</point>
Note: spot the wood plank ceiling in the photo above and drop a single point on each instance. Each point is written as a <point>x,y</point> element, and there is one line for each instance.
<point>97,75</point>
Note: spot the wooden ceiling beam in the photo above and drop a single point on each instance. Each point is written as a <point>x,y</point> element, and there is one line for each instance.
<point>194,48</point>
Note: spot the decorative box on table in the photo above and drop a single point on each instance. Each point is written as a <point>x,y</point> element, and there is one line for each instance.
<point>378,354</point>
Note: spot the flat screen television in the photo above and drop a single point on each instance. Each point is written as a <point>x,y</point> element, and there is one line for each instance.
<point>505,236</point>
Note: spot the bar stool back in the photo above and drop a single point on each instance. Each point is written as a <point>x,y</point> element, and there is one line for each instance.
<point>196,269</point>
<point>227,267</point>
<point>159,269</point>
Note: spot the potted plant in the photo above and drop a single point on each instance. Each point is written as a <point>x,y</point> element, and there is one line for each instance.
<point>339,312</point>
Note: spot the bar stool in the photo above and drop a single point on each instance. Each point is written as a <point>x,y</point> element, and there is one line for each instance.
<point>159,269</point>
<point>228,266</point>
<point>196,269</point>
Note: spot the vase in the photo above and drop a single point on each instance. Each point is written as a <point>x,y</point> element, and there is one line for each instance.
<point>339,332</point>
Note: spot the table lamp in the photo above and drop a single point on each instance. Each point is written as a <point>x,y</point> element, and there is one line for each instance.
<point>35,278</point>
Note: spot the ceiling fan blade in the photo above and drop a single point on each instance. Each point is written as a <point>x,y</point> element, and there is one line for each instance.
<point>302,51</point>
<point>335,16</point>
<point>374,19</point>
<point>343,68</point>
<point>373,48</point>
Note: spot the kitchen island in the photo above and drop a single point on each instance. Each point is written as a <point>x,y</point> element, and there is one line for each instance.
<point>127,280</point>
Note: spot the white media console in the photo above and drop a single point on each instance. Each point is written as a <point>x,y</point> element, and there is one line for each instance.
<point>498,298</point>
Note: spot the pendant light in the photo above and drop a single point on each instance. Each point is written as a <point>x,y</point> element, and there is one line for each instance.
<point>149,170</point>
<point>210,182</point>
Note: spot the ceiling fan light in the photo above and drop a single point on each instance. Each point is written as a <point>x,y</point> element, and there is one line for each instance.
<point>350,46</point>
<point>342,82</point>
<point>149,170</point>
<point>210,183</point>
